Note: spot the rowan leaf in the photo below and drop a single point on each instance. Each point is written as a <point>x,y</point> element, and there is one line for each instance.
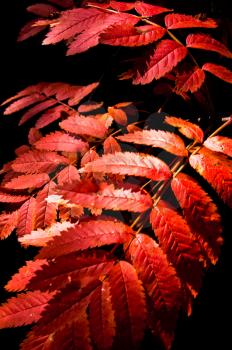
<point>166,56</point>
<point>8,223</point>
<point>24,102</point>
<point>206,42</point>
<point>42,10</point>
<point>75,335</point>
<point>128,301</point>
<point>101,317</point>
<point>85,27</point>
<point>147,10</point>
<point>40,238</point>
<point>118,115</point>
<point>220,144</point>
<point>89,107</point>
<point>177,241</point>
<point>129,163</point>
<point>45,211</point>
<point>157,138</point>
<point>200,213</point>
<point>121,6</point>
<point>89,234</point>
<point>60,141</point>
<point>21,279</point>
<point>82,268</point>
<point>11,198</point>
<point>110,145</point>
<point>24,309</point>
<point>158,276</point>
<point>189,80</point>
<point>80,125</point>
<point>69,304</point>
<point>39,107</point>
<point>68,175</point>
<point>130,36</point>
<point>178,21</point>
<point>50,116</point>
<point>29,30</point>
<point>216,169</point>
<point>219,71</point>
<point>36,161</point>
<point>106,196</point>
<point>26,217</point>
<point>33,136</point>
<point>188,129</point>
<point>27,181</point>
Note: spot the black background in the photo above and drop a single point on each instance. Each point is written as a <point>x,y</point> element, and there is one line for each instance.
<point>27,63</point>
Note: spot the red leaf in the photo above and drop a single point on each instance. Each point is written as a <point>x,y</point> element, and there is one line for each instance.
<point>216,169</point>
<point>128,35</point>
<point>24,309</point>
<point>110,145</point>
<point>121,6</point>
<point>30,29</point>
<point>67,307</point>
<point>190,80</point>
<point>158,277</point>
<point>75,335</point>
<point>101,317</point>
<point>89,156</point>
<point>128,301</point>
<point>60,141</point>
<point>71,23</point>
<point>42,10</point>
<point>82,268</point>
<point>147,10</point>
<point>200,213</point>
<point>23,103</point>
<point>45,212</point>
<point>206,42</point>
<point>177,21</point>
<point>219,144</point>
<point>88,23</point>
<point>106,197</point>
<point>89,234</point>
<point>50,116</point>
<point>26,222</point>
<point>37,162</point>
<point>81,92</point>
<point>84,126</point>
<point>30,90</point>
<point>129,163</point>
<point>188,129</point>
<point>91,36</point>
<point>36,343</point>
<point>40,238</point>
<point>178,243</point>
<point>18,151</point>
<point>219,71</point>
<point>89,107</point>
<point>157,138</point>
<point>40,107</point>
<point>8,223</point>
<point>20,280</point>
<point>118,115</point>
<point>33,136</point>
<point>27,181</point>
<point>11,198</point>
<point>165,57</point>
<point>68,175</point>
